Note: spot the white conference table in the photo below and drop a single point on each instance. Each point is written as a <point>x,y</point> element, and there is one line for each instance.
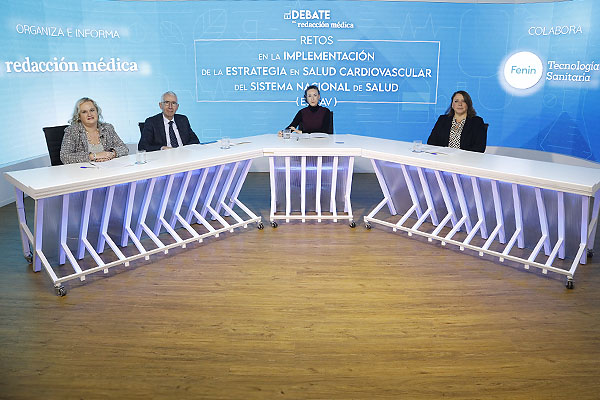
<point>191,193</point>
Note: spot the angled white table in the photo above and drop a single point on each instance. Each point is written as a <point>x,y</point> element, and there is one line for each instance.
<point>541,204</point>
<point>186,192</point>
<point>503,200</point>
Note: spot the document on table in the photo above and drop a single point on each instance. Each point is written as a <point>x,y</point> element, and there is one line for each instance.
<point>112,164</point>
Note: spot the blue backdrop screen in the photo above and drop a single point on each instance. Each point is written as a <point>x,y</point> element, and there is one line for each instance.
<point>386,69</point>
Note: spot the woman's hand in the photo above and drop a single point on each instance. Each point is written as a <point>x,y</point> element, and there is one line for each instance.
<point>291,128</point>
<point>103,156</point>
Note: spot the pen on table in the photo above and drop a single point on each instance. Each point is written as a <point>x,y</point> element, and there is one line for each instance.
<point>91,165</point>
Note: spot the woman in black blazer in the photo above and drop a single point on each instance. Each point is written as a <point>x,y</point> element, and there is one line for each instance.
<point>460,127</point>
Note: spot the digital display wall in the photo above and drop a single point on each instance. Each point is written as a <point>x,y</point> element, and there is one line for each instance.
<point>386,69</point>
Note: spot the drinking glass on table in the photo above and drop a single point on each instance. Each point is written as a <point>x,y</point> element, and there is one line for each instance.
<point>140,157</point>
<point>225,142</point>
<point>417,146</point>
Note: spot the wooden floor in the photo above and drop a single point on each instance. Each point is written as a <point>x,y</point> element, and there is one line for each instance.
<point>304,311</point>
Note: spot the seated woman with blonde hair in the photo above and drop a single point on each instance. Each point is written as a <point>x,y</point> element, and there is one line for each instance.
<point>89,139</point>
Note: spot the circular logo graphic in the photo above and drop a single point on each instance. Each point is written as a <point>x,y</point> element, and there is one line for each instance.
<point>523,70</point>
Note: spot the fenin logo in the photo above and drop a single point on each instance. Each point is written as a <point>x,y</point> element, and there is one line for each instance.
<point>523,70</point>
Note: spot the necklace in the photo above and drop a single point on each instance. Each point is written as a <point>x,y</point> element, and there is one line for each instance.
<point>93,136</point>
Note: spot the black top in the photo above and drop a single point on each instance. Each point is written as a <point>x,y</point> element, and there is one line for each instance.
<point>313,119</point>
<point>154,136</point>
<point>472,138</point>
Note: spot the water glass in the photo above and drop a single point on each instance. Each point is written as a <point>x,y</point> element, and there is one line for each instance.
<point>225,142</point>
<point>140,157</point>
<point>287,133</point>
<point>417,146</point>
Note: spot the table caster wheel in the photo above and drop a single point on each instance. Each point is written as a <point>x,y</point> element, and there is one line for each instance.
<point>260,226</point>
<point>367,225</point>
<point>60,291</point>
<point>29,258</point>
<point>352,224</point>
<point>569,284</point>
<point>274,224</point>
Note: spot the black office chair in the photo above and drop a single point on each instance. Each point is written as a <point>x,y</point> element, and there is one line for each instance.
<point>330,122</point>
<point>486,126</point>
<point>141,126</point>
<point>54,137</point>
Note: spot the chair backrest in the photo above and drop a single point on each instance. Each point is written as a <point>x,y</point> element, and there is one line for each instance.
<point>141,126</point>
<point>330,122</point>
<point>485,126</point>
<point>54,137</point>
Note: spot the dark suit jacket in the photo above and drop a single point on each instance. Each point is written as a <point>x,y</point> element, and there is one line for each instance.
<point>473,136</point>
<point>154,136</point>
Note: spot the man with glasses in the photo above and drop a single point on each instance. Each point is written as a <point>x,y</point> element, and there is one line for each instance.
<point>167,130</point>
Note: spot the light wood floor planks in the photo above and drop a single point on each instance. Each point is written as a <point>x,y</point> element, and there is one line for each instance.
<point>304,311</point>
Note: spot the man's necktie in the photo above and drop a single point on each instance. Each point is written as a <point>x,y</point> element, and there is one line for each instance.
<point>172,135</point>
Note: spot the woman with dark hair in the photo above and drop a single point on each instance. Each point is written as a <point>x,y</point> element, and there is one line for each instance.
<point>88,138</point>
<point>460,127</point>
<point>312,118</point>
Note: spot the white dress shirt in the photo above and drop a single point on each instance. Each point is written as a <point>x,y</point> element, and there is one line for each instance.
<point>166,122</point>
